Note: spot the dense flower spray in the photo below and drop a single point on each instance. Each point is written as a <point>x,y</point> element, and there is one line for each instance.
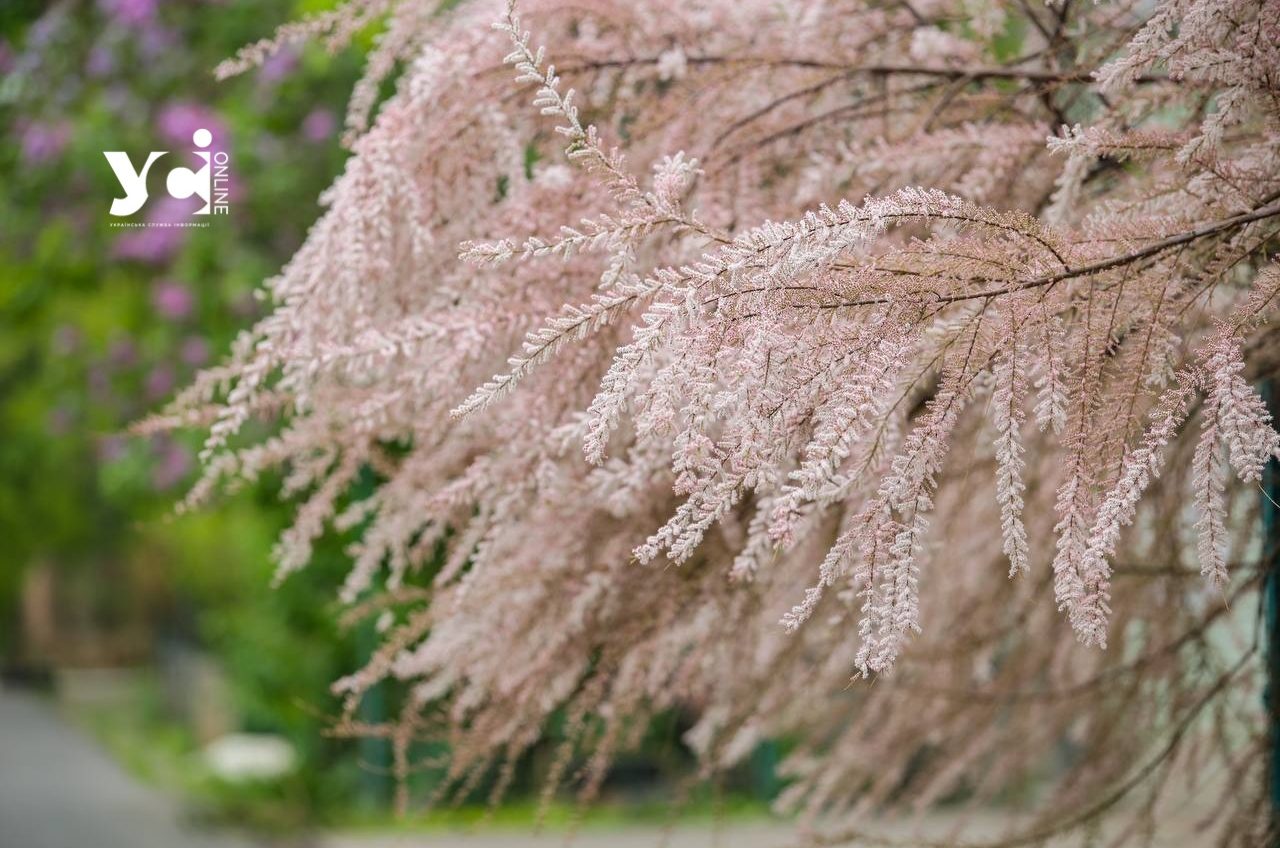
<point>736,348</point>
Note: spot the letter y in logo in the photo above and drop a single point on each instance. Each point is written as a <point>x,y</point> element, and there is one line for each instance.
<point>133,182</point>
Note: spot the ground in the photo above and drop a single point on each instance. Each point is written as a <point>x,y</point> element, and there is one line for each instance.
<point>59,790</point>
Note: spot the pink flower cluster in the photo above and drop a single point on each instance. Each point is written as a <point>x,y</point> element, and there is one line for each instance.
<point>685,349</point>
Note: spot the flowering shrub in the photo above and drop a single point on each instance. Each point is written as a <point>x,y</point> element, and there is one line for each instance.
<point>765,376</point>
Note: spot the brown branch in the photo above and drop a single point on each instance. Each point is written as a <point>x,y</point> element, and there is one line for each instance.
<point>1268,211</point>
<point>1070,822</point>
<point>1009,72</point>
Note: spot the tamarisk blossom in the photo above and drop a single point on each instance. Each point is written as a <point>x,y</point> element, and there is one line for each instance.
<point>726,354</point>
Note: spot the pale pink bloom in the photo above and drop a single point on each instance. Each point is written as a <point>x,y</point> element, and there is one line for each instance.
<point>740,348</point>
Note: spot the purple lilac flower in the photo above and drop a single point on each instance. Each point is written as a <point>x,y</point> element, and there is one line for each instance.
<point>66,339</point>
<point>121,102</point>
<point>157,245</point>
<point>111,448</point>
<point>44,30</point>
<point>129,13</point>
<point>61,417</point>
<point>179,120</point>
<point>151,244</point>
<point>99,384</point>
<point>160,381</point>
<point>42,142</point>
<point>195,351</point>
<point>101,62</point>
<point>278,65</point>
<point>122,353</point>
<point>173,300</point>
<point>174,463</point>
<point>157,40</point>
<point>319,125</point>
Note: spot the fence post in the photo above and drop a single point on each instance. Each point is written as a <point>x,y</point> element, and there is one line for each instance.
<point>374,753</point>
<point>1271,614</point>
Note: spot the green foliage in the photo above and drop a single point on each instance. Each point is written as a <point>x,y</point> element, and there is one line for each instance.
<point>1008,43</point>
<point>102,324</point>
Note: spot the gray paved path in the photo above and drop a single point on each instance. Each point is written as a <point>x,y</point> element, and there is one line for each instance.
<point>736,835</point>
<point>58,790</point>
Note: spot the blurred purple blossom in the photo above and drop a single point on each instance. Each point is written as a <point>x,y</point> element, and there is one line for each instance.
<point>195,351</point>
<point>46,28</point>
<point>157,40</point>
<point>179,120</point>
<point>122,353</point>
<point>129,13</point>
<point>174,463</point>
<point>278,65</point>
<point>153,245</point>
<point>171,299</point>
<point>121,101</point>
<point>101,61</point>
<point>319,125</point>
<point>157,245</point>
<point>99,384</point>
<point>160,381</point>
<point>42,142</point>
<point>111,448</point>
<point>6,57</point>
<point>61,417</point>
<point>142,18</point>
<point>66,339</point>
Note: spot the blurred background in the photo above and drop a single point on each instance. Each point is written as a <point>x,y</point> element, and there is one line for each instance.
<point>155,689</point>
